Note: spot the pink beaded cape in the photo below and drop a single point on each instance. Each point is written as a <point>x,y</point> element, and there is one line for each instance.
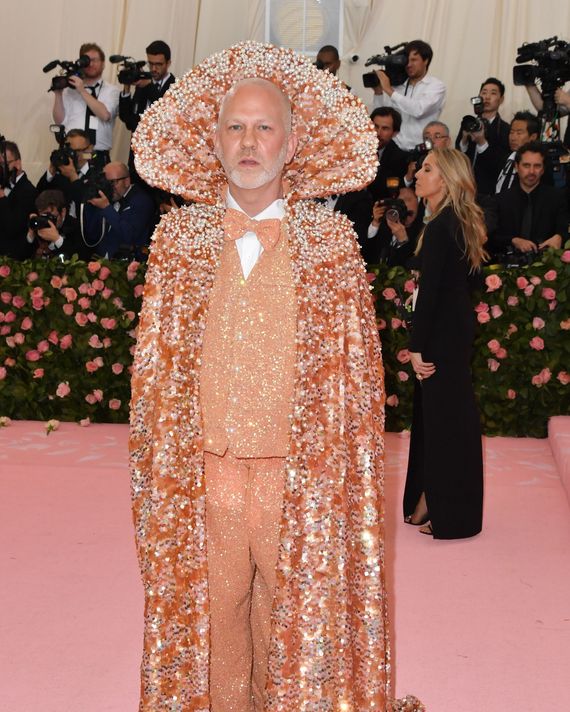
<point>329,645</point>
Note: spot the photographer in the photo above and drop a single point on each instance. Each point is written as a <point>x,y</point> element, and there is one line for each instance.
<point>419,100</point>
<point>394,230</point>
<point>119,221</point>
<point>147,91</point>
<point>17,195</point>
<point>434,135</point>
<point>486,145</point>
<point>89,103</point>
<point>393,162</point>
<point>69,176</point>
<point>52,231</point>
<point>525,127</point>
<point>531,216</point>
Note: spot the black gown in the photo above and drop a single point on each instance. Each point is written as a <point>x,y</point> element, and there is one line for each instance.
<point>445,457</point>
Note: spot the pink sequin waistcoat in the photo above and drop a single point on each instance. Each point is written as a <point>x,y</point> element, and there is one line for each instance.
<point>329,645</point>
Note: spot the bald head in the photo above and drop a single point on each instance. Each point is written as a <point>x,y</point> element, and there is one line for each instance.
<point>118,175</point>
<point>261,86</point>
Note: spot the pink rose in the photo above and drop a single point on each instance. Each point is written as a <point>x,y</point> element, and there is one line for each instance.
<point>107,342</point>
<point>536,343</point>
<point>493,282</point>
<point>482,307</point>
<point>69,293</point>
<point>33,355</point>
<point>403,356</point>
<point>565,257</point>
<point>501,353</point>
<point>522,282</point>
<point>395,323</point>
<point>110,323</point>
<point>118,302</point>
<point>91,366</point>
<point>541,378</point>
<point>552,305</point>
<point>6,297</point>
<point>68,309</point>
<point>38,303</point>
<point>551,275</point>
<point>529,290</point>
<point>94,267</point>
<point>535,280</point>
<point>104,272</point>
<point>53,338</point>
<point>493,346</point>
<point>9,317</point>
<point>98,284</point>
<point>56,282</point>
<point>483,317</point>
<point>81,319</point>
<point>403,376</point>
<point>392,401</point>
<point>493,365</point>
<point>548,293</point>
<point>564,378</point>
<point>381,324</point>
<point>132,350</point>
<point>98,393</point>
<point>90,398</point>
<point>18,301</point>
<point>65,342</point>
<point>26,324</point>
<point>511,394</point>
<point>496,311</point>
<point>9,362</point>
<point>19,338</point>
<point>5,330</point>
<point>83,288</point>
<point>95,342</point>
<point>10,342</point>
<point>512,301</point>
<point>84,302</point>
<point>39,373</point>
<point>565,325</point>
<point>43,346</point>
<point>3,373</point>
<point>409,286</point>
<point>130,315</point>
<point>92,317</point>
<point>114,404</point>
<point>106,293</point>
<point>536,380</point>
<point>84,422</point>
<point>63,390</point>
<point>36,293</point>
<point>32,276</point>
<point>4,271</point>
<point>387,293</point>
<point>91,291</point>
<point>118,368</point>
<point>132,270</point>
<point>98,360</point>
<point>538,323</point>
<point>139,289</point>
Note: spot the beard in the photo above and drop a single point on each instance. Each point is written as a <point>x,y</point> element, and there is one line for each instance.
<point>247,179</point>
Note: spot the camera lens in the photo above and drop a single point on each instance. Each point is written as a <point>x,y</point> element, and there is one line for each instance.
<point>393,215</point>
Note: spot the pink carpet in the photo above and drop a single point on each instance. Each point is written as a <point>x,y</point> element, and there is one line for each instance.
<point>479,626</point>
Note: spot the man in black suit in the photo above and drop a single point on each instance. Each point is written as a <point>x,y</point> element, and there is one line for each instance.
<point>62,237</point>
<point>17,195</point>
<point>525,127</point>
<point>393,161</point>
<point>120,227</point>
<point>488,148</point>
<point>531,216</point>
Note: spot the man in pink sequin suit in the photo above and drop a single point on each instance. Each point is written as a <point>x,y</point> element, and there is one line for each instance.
<point>257,407</point>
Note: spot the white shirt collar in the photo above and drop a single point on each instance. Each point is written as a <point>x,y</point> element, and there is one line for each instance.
<point>273,210</point>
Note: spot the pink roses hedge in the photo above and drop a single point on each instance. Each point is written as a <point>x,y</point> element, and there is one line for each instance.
<point>521,355</point>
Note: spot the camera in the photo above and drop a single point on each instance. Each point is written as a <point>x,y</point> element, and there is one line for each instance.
<point>419,152</point>
<point>470,124</point>
<point>396,210</point>
<point>516,258</point>
<point>548,62</point>
<point>131,70</point>
<point>69,69</point>
<point>393,62</point>
<point>96,183</point>
<point>41,221</point>
<point>63,154</point>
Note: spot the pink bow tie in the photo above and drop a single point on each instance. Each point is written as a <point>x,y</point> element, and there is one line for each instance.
<point>236,224</point>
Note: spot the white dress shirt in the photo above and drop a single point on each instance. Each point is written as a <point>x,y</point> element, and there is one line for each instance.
<point>249,248</point>
<point>419,104</point>
<point>75,108</point>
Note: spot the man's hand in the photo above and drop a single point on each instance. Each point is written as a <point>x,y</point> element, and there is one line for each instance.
<point>377,213</point>
<point>478,137</point>
<point>555,242</point>
<point>77,83</point>
<point>520,243</point>
<point>101,202</point>
<point>398,230</point>
<point>68,170</point>
<point>411,172</point>
<point>142,83</point>
<point>421,368</point>
<point>385,83</point>
<point>167,207</point>
<point>50,233</point>
<point>562,97</point>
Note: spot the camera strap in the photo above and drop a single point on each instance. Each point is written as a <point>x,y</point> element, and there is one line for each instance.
<point>103,228</point>
<point>92,133</point>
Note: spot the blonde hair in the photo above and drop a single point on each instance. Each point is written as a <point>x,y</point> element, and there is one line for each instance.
<point>457,175</point>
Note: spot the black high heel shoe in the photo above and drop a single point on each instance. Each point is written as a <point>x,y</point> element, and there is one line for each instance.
<point>408,520</point>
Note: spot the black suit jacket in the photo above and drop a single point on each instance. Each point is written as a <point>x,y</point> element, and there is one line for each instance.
<point>357,206</point>
<point>487,165</point>
<point>549,214</point>
<point>14,213</point>
<point>393,164</point>
<point>131,108</point>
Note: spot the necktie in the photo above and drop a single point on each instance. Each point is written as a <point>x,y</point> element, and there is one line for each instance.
<point>88,114</point>
<point>236,224</point>
<point>506,177</point>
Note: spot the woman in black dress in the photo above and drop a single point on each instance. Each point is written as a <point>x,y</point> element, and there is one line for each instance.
<point>444,485</point>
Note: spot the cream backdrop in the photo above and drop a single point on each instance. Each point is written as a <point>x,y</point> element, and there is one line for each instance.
<point>471,40</point>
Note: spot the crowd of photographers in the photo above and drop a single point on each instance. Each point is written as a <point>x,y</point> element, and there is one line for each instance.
<point>84,204</point>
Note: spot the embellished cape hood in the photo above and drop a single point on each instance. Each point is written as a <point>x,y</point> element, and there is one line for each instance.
<point>329,648</point>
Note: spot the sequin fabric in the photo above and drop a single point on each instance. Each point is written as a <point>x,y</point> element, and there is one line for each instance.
<point>329,647</point>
